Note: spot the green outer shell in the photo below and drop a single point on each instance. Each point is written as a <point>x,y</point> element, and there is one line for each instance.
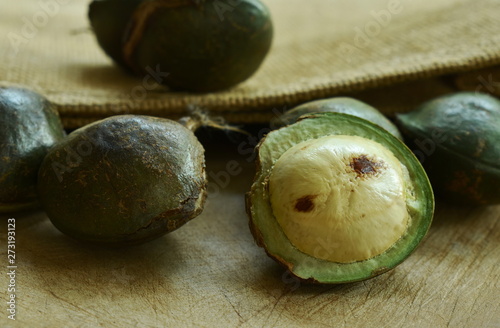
<point>124,180</point>
<point>268,233</point>
<point>109,20</point>
<point>344,105</point>
<point>457,137</point>
<point>202,47</point>
<point>29,126</point>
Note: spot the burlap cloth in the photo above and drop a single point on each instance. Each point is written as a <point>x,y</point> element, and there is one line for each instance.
<point>321,48</point>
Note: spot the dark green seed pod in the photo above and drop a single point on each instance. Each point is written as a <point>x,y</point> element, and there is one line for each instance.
<point>457,137</point>
<point>344,105</point>
<point>109,19</point>
<point>338,199</point>
<point>29,126</point>
<point>197,45</point>
<point>124,180</point>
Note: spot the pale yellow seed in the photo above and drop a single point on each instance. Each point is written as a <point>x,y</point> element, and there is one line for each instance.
<point>340,198</point>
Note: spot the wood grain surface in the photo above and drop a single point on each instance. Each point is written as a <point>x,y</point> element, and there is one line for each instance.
<point>210,273</point>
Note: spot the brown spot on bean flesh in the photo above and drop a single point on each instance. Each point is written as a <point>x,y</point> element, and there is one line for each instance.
<point>364,166</point>
<point>305,204</point>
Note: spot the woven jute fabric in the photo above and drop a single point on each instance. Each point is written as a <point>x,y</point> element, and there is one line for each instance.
<point>391,53</point>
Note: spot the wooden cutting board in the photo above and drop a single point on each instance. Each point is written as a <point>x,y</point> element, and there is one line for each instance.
<point>210,273</point>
